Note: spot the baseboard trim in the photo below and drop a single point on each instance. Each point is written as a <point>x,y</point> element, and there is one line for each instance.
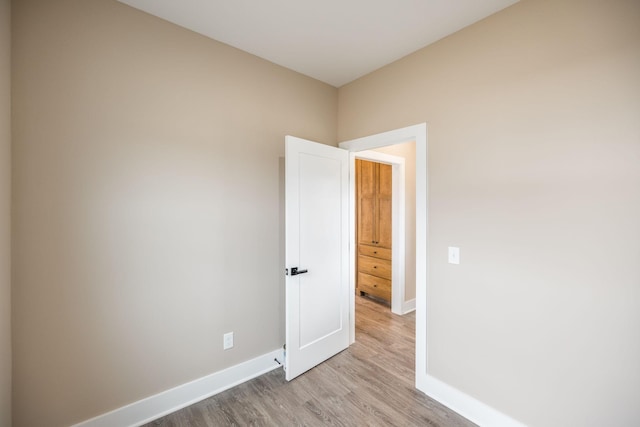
<point>409,306</point>
<point>467,406</point>
<point>166,402</point>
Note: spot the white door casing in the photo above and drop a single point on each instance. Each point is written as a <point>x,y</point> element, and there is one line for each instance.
<point>417,133</point>
<point>317,240</point>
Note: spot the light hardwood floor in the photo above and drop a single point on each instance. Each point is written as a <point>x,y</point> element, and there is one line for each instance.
<point>369,384</point>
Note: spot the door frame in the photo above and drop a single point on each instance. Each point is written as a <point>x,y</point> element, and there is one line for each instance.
<point>417,133</point>
<point>398,235</point>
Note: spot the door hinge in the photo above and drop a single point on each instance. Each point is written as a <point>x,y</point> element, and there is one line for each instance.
<point>284,356</point>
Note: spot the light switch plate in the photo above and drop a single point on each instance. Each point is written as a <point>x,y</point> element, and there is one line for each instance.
<point>227,341</point>
<point>454,255</point>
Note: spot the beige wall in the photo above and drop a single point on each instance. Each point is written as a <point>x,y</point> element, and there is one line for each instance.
<point>534,172</point>
<point>146,180</point>
<point>5,213</point>
<point>408,152</point>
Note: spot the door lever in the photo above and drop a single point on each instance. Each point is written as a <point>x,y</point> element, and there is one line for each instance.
<point>295,271</point>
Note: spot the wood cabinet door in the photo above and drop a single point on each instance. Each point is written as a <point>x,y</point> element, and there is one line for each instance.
<point>366,193</point>
<point>383,206</point>
<point>374,193</point>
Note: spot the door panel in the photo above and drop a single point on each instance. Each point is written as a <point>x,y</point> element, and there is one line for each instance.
<point>366,225</point>
<point>366,175</point>
<point>317,240</point>
<point>320,180</point>
<point>366,193</point>
<point>384,207</point>
<point>385,181</point>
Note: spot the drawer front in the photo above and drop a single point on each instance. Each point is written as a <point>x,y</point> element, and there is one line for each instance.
<point>374,266</point>
<point>375,252</point>
<point>375,286</point>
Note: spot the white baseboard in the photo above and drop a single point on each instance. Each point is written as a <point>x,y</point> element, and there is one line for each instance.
<point>153,407</point>
<point>467,406</point>
<point>409,306</point>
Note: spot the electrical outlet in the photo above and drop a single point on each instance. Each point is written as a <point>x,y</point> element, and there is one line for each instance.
<point>227,341</point>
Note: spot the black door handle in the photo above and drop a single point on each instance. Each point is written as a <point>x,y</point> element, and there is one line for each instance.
<point>295,271</point>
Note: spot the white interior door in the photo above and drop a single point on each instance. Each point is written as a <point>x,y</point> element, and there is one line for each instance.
<point>317,247</point>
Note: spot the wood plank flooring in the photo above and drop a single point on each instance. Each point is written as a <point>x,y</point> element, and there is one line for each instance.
<point>369,384</point>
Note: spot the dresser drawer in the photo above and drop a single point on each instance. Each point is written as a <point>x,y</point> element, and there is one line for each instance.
<point>374,266</point>
<point>375,252</point>
<point>375,286</point>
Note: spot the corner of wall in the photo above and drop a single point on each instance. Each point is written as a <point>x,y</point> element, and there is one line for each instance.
<point>5,214</point>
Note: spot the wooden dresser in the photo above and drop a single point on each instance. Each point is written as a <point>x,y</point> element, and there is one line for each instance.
<point>373,194</point>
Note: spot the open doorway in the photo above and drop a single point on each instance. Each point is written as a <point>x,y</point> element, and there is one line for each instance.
<point>390,240</point>
<point>417,134</point>
<point>374,225</point>
<point>342,313</point>
<point>385,240</point>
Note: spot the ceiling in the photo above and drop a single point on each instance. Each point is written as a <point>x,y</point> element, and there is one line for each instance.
<point>335,41</point>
